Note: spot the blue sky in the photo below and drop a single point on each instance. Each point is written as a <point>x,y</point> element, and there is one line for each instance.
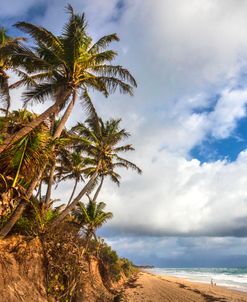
<point>187,120</point>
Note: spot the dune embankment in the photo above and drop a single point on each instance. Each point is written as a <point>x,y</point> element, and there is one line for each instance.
<point>147,287</point>
<point>23,275</point>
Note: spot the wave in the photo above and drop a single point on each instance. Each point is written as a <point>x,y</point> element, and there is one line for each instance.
<point>235,278</point>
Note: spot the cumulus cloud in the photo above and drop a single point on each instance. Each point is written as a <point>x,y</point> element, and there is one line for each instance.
<point>177,196</point>
<point>188,58</point>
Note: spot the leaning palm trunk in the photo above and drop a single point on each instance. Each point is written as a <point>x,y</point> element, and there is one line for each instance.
<point>73,192</point>
<point>73,204</point>
<point>88,238</point>
<point>13,219</point>
<point>4,86</point>
<point>39,191</point>
<point>20,208</point>
<point>50,182</point>
<point>57,134</point>
<point>98,189</point>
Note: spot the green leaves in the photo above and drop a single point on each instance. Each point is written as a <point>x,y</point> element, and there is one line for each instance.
<point>91,216</point>
<point>41,35</point>
<point>69,62</point>
<point>103,42</point>
<point>22,161</point>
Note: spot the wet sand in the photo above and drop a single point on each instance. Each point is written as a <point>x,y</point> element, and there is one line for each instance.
<point>146,287</point>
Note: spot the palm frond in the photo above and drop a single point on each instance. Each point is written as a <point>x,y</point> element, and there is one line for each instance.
<point>123,148</point>
<point>39,93</point>
<point>115,71</point>
<point>41,35</point>
<point>88,104</point>
<point>112,84</point>
<point>128,164</point>
<point>103,42</point>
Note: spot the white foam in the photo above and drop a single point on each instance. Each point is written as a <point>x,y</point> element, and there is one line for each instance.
<point>222,277</point>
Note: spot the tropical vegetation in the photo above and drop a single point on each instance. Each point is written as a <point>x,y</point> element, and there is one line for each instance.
<point>38,152</point>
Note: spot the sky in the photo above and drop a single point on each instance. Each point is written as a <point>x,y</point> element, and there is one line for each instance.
<point>187,120</point>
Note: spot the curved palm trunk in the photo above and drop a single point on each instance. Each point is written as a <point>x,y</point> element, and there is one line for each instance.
<point>65,117</point>
<point>73,204</point>
<point>20,208</point>
<point>5,89</point>
<point>38,194</point>
<point>98,189</point>
<point>73,192</point>
<point>56,135</point>
<point>13,219</point>
<point>50,182</point>
<point>88,238</point>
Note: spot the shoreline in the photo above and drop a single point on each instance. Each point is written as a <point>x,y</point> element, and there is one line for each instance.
<point>203,276</point>
<point>148,287</point>
<point>224,286</point>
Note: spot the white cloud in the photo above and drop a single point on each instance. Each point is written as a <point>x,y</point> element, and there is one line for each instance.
<point>229,109</point>
<point>176,196</point>
<point>182,53</point>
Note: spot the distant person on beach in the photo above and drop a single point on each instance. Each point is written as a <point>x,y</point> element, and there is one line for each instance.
<point>212,282</point>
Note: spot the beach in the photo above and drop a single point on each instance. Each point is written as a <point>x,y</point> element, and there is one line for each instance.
<point>147,287</point>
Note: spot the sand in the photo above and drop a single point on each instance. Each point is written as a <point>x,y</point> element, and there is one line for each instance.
<point>146,287</point>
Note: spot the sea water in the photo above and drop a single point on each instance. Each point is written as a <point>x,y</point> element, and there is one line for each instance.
<point>235,278</point>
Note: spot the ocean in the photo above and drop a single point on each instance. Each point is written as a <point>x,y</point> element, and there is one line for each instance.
<point>234,278</point>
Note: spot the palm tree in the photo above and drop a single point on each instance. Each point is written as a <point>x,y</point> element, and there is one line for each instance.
<point>65,67</point>
<point>70,166</point>
<point>99,142</point>
<point>7,44</point>
<point>21,163</point>
<point>91,217</point>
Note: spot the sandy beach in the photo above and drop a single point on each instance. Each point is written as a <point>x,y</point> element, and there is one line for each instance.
<point>147,287</point>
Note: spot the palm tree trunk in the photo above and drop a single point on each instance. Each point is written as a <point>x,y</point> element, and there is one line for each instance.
<point>73,192</point>
<point>20,208</point>
<point>73,204</point>
<point>65,117</point>
<point>50,182</point>
<point>38,194</point>
<point>13,219</point>
<point>98,190</point>
<point>57,134</point>
<point>5,90</point>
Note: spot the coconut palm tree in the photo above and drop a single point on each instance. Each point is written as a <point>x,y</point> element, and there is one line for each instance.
<point>70,166</point>
<point>64,67</point>
<point>91,217</point>
<point>7,44</point>
<point>99,142</point>
<point>21,163</point>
